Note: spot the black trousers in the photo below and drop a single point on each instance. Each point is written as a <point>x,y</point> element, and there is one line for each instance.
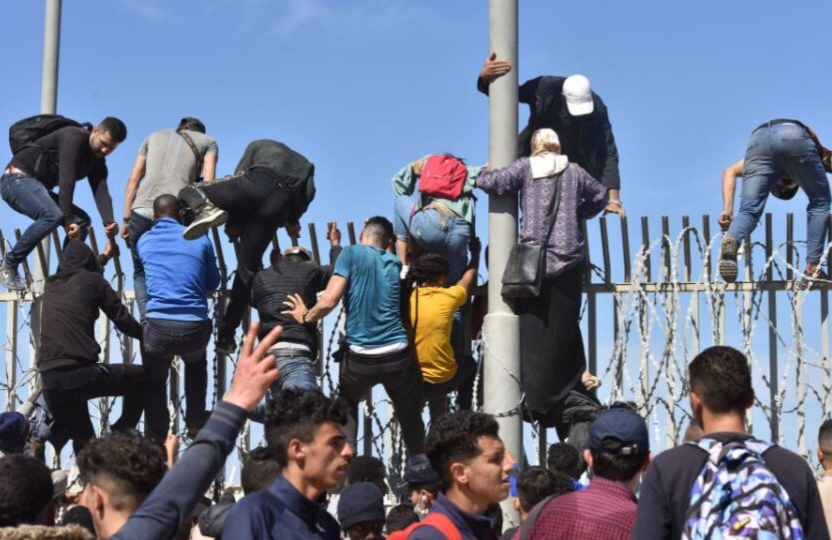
<point>66,391</point>
<point>164,339</point>
<point>401,377</point>
<point>257,203</point>
<point>552,358</point>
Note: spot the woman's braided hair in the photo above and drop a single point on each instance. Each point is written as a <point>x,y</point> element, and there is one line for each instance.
<point>427,267</point>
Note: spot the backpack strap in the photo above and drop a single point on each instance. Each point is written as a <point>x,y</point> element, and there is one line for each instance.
<point>192,144</point>
<point>531,519</point>
<point>440,522</point>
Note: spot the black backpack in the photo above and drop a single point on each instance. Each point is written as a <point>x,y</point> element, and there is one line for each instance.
<point>26,132</point>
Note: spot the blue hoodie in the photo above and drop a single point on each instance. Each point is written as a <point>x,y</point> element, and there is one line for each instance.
<point>180,273</point>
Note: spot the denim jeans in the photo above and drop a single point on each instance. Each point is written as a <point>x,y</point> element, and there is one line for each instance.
<point>296,370</point>
<point>773,152</point>
<point>28,196</point>
<point>164,339</point>
<point>447,234</point>
<point>138,225</point>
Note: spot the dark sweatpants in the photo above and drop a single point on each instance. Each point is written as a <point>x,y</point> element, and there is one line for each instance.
<point>551,345</point>
<point>256,203</point>
<point>67,390</point>
<point>402,379</point>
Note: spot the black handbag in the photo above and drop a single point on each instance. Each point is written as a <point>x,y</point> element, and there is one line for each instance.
<point>526,266</point>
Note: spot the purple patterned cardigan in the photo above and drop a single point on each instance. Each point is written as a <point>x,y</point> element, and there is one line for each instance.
<point>582,198</point>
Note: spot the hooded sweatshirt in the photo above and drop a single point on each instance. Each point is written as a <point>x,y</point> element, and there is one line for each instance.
<point>71,301</point>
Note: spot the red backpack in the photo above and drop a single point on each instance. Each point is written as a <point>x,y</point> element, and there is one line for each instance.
<point>443,176</point>
<point>438,521</point>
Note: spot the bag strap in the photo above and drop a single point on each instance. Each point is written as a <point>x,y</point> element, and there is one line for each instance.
<point>531,519</point>
<point>553,209</point>
<point>194,149</point>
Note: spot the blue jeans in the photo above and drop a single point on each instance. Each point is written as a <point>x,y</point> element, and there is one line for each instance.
<point>164,339</point>
<point>28,196</point>
<point>773,152</point>
<point>448,235</point>
<point>136,228</point>
<point>297,370</point>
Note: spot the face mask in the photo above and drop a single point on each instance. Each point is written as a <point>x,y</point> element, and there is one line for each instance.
<point>422,509</point>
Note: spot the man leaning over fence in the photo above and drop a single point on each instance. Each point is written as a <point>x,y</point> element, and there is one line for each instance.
<point>168,161</point>
<point>367,277</point>
<point>180,274</point>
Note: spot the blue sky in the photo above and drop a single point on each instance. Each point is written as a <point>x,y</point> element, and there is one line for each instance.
<point>363,86</point>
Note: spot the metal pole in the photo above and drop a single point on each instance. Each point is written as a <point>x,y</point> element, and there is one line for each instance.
<point>501,328</point>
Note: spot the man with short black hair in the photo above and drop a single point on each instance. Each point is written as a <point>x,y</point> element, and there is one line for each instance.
<point>825,459</point>
<point>118,472</point>
<point>368,469</point>
<point>60,159</point>
<point>305,432</point>
<point>180,275</point>
<point>566,459</point>
<point>259,470</point>
<point>534,485</point>
<point>367,277</point>
<point>466,450</point>
<point>25,492</point>
<point>619,450</point>
<point>168,160</point>
<point>720,394</point>
<point>399,518</point>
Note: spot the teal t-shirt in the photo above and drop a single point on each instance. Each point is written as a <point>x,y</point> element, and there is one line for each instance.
<point>373,296</point>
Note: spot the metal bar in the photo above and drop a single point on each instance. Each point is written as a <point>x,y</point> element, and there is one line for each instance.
<point>686,246</point>
<point>666,248</point>
<point>801,374</point>
<point>173,385</point>
<point>605,250</point>
<point>104,358</point>
<point>351,232</point>
<point>773,368</point>
<point>645,241</point>
<point>56,240</point>
<point>2,244</point>
<point>26,273</point>
<point>826,405</point>
<point>706,235</point>
<point>625,247</point>
<point>11,353</point>
<point>789,246</point>
<point>313,240</point>
<point>587,258</point>
<point>592,326</point>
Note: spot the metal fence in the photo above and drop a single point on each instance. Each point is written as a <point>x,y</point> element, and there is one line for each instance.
<point>647,312</point>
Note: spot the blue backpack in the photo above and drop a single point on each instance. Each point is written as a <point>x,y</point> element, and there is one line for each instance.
<point>737,496</point>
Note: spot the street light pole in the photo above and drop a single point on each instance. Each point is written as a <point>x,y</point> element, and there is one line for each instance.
<point>501,328</point>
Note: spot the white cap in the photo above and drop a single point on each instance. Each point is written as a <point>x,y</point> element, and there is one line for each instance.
<point>578,95</point>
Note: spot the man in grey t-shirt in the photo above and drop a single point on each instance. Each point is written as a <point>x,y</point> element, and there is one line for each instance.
<point>168,161</point>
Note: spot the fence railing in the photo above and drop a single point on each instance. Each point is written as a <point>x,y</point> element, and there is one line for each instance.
<point>647,312</point>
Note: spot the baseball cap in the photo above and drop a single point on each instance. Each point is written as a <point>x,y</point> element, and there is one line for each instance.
<point>623,425</point>
<point>417,471</point>
<point>14,431</point>
<point>578,94</point>
<point>297,250</point>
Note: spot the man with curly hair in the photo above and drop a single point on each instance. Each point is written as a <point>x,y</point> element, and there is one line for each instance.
<point>305,432</point>
<point>466,450</point>
<point>119,471</point>
<point>25,492</point>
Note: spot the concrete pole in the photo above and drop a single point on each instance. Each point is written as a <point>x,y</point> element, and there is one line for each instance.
<point>501,328</point>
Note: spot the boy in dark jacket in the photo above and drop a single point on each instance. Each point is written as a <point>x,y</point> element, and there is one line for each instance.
<point>68,352</point>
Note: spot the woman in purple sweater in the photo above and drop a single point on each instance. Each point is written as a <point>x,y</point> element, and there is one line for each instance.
<point>551,345</point>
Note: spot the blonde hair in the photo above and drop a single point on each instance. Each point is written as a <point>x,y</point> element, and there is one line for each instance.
<point>545,140</point>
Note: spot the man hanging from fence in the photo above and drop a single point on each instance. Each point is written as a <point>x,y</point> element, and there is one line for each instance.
<point>367,277</point>
<point>180,275</point>
<point>576,113</point>
<point>52,151</point>
<point>272,187</point>
<point>68,353</point>
<point>168,161</point>
<point>782,156</point>
<point>293,273</point>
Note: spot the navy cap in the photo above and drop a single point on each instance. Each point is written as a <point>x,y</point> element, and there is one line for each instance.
<point>418,471</point>
<point>623,425</point>
<point>359,503</point>
<point>14,431</point>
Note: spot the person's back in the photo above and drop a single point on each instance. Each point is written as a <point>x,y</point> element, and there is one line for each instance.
<point>721,392</point>
<point>171,162</point>
<point>179,272</point>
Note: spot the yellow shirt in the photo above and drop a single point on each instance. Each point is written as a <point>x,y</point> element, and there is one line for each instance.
<point>436,306</point>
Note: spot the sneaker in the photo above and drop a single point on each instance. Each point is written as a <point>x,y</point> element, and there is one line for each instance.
<point>209,217</point>
<point>225,348</point>
<point>10,278</point>
<point>728,259</point>
<point>818,280</point>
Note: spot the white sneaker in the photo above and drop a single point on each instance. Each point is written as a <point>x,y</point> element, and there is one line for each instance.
<point>10,278</point>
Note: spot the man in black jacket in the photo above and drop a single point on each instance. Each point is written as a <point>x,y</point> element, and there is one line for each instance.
<point>60,159</point>
<point>68,353</point>
<point>576,113</point>
<point>293,273</point>
<point>272,187</point>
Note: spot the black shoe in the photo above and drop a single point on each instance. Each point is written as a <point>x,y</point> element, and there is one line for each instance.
<point>818,280</point>
<point>225,348</point>
<point>728,259</point>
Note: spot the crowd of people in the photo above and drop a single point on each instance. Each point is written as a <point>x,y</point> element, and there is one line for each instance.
<point>402,288</point>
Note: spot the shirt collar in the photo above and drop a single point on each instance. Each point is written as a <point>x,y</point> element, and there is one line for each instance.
<point>478,523</point>
<point>294,500</point>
